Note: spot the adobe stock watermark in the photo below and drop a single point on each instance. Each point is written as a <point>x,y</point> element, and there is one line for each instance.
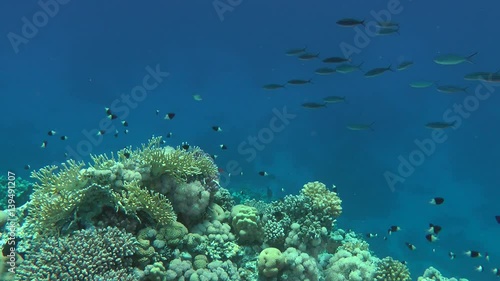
<point>121,107</point>
<point>362,36</point>
<point>258,142</point>
<point>30,27</point>
<point>223,6</point>
<point>425,148</point>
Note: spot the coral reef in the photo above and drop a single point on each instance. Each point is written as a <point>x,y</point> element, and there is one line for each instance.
<point>157,214</point>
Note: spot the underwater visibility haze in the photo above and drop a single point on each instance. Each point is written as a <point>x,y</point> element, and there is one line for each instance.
<point>250,140</point>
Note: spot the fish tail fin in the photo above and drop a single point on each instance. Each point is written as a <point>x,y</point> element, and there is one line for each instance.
<point>359,66</point>
<point>453,124</point>
<point>469,58</point>
<point>371,126</point>
<point>345,100</point>
<point>310,81</point>
<point>390,68</point>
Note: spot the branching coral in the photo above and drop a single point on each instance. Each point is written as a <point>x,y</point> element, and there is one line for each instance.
<point>392,270</point>
<point>183,165</point>
<point>102,254</point>
<point>322,198</point>
<point>134,198</point>
<point>56,195</point>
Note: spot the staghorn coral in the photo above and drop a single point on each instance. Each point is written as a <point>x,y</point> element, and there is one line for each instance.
<point>183,165</point>
<point>100,254</point>
<point>392,270</point>
<point>134,198</point>
<point>322,198</point>
<point>56,195</point>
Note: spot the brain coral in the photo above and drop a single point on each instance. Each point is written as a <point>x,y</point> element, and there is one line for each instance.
<point>322,198</point>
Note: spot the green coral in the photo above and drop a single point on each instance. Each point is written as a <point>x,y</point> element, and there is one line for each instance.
<point>182,165</point>
<point>134,198</point>
<point>392,270</point>
<point>56,195</point>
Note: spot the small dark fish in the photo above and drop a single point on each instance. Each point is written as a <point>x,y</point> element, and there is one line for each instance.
<point>163,142</point>
<point>349,22</point>
<point>393,228</point>
<point>126,155</point>
<point>431,237</point>
<point>214,156</point>
<point>452,255</point>
<point>112,116</point>
<point>169,134</point>
<point>299,81</point>
<point>44,144</point>
<point>217,128</point>
<point>371,235</point>
<point>295,52</point>
<point>313,105</point>
<point>486,256</point>
<point>27,167</point>
<point>377,71</point>
<point>440,125</point>
<point>101,132</point>
<point>496,271</point>
<point>64,138</point>
<point>263,173</point>
<point>336,60</point>
<point>273,86</point>
<point>185,146</point>
<point>157,112</point>
<point>269,192</point>
<point>125,123</point>
<point>437,201</point>
<point>126,131</point>
<point>473,254</point>
<point>108,111</point>
<point>223,147</point>
<point>497,218</point>
<point>411,246</point>
<point>308,56</point>
<point>434,229</point>
<point>51,133</point>
<point>479,268</point>
<point>169,116</point>
<point>116,133</point>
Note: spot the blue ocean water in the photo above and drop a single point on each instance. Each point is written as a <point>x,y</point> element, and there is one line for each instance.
<point>88,55</point>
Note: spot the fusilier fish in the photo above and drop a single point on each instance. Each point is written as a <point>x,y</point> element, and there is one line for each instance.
<point>440,125</point>
<point>377,71</point>
<point>452,59</point>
